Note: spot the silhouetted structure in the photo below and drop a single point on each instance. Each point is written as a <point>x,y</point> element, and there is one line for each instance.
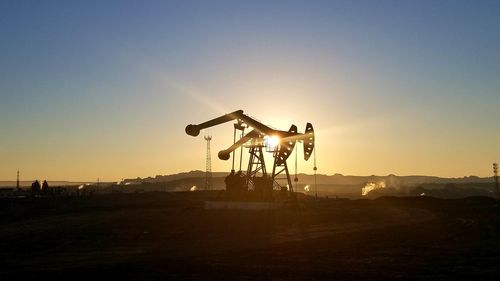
<point>45,187</point>
<point>495,175</point>
<point>236,186</point>
<point>256,174</point>
<point>315,177</point>
<point>18,188</point>
<point>35,187</point>
<point>208,169</point>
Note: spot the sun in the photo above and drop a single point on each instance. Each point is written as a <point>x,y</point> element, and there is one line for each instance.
<point>272,143</point>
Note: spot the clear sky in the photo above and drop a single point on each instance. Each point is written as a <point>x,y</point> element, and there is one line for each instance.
<point>105,88</point>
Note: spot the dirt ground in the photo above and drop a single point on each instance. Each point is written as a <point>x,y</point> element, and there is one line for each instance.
<point>170,236</point>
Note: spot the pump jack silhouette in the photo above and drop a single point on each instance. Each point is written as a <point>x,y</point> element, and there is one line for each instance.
<point>254,140</point>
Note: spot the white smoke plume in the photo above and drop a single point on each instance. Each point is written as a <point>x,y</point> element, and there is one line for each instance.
<point>82,186</point>
<point>372,186</point>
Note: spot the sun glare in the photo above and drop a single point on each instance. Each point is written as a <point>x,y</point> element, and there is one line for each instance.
<point>272,143</point>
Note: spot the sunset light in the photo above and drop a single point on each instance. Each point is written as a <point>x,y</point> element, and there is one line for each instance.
<point>272,143</point>
<point>250,140</point>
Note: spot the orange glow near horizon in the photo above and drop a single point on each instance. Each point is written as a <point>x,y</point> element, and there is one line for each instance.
<point>381,102</point>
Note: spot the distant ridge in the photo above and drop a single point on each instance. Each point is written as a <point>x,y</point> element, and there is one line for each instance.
<point>339,179</point>
<point>29,182</point>
<point>336,179</point>
<point>174,177</point>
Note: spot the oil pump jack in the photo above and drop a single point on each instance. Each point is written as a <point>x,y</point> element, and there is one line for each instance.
<point>256,176</point>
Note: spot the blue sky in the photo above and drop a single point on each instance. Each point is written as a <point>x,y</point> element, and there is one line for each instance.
<point>104,88</point>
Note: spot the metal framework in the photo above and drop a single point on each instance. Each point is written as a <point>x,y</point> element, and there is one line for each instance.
<point>256,164</point>
<point>208,168</point>
<point>256,173</point>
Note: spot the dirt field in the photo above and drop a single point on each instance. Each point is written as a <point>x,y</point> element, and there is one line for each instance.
<point>170,236</point>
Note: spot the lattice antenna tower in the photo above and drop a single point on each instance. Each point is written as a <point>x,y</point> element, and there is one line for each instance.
<point>208,171</point>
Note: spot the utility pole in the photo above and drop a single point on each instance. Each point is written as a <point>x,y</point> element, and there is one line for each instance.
<point>17,182</point>
<point>495,176</point>
<point>208,171</point>
<point>315,172</point>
